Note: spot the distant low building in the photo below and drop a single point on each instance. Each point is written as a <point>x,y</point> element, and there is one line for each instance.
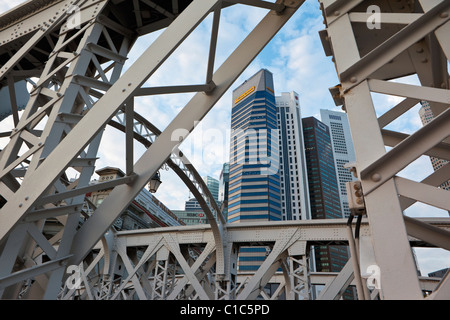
<point>145,211</point>
<point>193,213</point>
<point>191,217</point>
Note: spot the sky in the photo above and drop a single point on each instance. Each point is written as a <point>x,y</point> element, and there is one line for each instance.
<point>297,60</point>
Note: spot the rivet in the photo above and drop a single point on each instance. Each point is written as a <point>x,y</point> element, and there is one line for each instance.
<point>376,177</point>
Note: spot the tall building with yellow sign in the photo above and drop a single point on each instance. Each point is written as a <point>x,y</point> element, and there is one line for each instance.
<point>254,185</point>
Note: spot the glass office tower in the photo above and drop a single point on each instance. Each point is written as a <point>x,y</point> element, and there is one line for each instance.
<point>254,183</point>
<point>323,190</point>
<point>324,194</point>
<point>323,186</point>
<point>213,186</point>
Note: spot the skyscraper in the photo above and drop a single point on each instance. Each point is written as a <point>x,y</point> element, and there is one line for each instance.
<point>323,186</point>
<point>254,183</point>
<point>323,190</point>
<point>343,151</point>
<point>293,174</point>
<point>254,187</point>
<point>213,186</point>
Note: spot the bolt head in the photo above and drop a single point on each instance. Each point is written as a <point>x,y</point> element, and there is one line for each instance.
<point>376,177</point>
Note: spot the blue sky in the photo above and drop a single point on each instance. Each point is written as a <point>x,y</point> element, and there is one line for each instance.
<point>295,57</point>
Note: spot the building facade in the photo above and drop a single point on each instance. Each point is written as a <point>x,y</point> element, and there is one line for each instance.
<point>254,183</point>
<point>213,186</point>
<point>323,191</point>
<point>191,217</point>
<point>324,194</point>
<point>293,173</point>
<point>322,178</point>
<point>343,151</point>
<point>192,214</point>
<point>254,186</point>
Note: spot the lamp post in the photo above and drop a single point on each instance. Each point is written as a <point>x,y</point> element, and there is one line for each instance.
<point>154,183</point>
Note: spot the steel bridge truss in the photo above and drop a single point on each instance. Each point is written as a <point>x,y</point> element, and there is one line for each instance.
<point>77,50</point>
